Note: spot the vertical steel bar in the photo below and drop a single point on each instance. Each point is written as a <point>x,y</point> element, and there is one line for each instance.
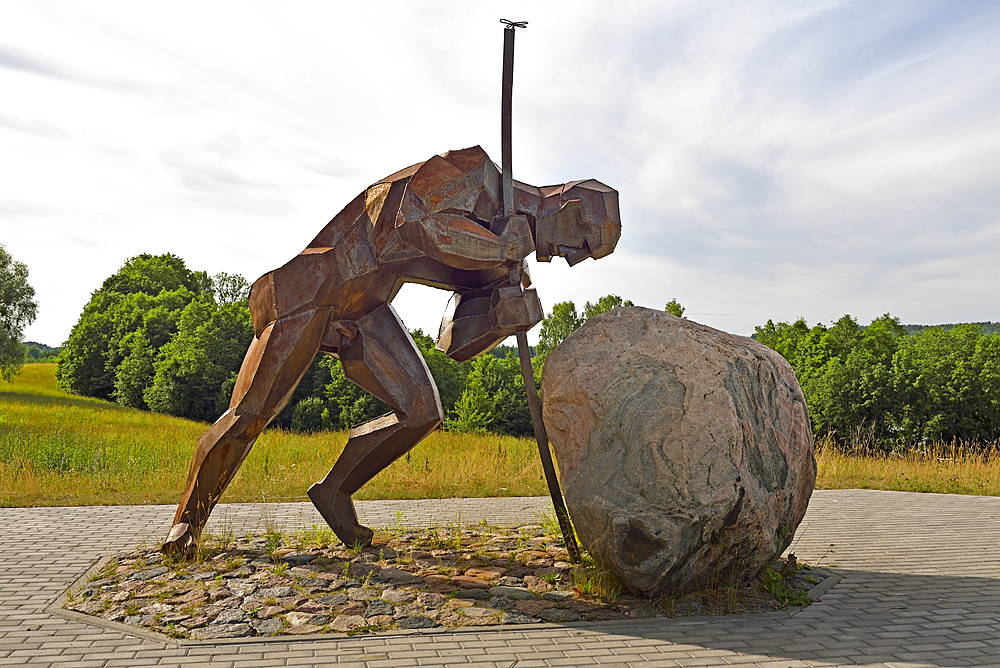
<point>505,116</point>
<point>543,450</point>
<point>562,515</point>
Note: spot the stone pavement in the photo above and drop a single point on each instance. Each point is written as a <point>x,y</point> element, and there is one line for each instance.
<point>919,585</point>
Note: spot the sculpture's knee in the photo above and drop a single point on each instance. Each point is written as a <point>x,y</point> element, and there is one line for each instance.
<point>427,412</point>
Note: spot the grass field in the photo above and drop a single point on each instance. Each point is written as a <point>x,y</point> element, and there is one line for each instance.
<point>59,449</point>
<point>967,468</point>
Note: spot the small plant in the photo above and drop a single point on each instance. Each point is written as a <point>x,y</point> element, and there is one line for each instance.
<point>109,570</point>
<point>173,631</point>
<point>356,548</point>
<point>775,582</point>
<point>550,526</point>
<point>272,541</point>
<point>594,580</point>
<point>280,569</point>
<point>434,538</point>
<point>398,527</point>
<point>224,539</point>
<point>132,609</point>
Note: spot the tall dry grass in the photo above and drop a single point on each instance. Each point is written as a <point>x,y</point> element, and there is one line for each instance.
<point>944,468</point>
<point>59,449</point>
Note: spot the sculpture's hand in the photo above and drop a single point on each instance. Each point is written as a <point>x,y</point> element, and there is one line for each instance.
<point>477,321</point>
<point>517,240</point>
<point>513,309</point>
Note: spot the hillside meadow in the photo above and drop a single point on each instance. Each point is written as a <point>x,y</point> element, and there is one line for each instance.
<point>61,449</point>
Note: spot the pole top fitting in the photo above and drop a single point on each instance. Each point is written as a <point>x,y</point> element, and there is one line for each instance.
<point>513,24</point>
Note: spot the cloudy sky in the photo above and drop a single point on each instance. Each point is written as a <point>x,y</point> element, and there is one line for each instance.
<point>774,159</point>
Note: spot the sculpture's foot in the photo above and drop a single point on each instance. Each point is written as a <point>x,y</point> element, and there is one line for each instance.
<point>180,542</point>
<point>338,511</point>
<point>356,536</point>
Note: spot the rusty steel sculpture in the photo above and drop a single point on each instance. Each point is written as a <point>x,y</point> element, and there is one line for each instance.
<point>442,223</point>
<point>438,223</point>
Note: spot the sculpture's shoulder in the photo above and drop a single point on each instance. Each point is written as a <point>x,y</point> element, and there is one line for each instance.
<point>461,180</point>
<point>464,181</point>
<point>450,165</point>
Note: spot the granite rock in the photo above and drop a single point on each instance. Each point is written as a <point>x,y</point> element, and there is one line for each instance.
<point>685,452</point>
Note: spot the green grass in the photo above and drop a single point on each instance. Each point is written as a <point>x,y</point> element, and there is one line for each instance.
<point>60,449</point>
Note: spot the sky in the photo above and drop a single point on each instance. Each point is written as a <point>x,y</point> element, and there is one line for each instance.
<point>774,160</point>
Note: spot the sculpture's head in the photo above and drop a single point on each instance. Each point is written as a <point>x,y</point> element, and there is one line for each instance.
<point>576,221</point>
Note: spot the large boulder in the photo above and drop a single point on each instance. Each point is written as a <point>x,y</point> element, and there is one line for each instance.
<point>685,453</point>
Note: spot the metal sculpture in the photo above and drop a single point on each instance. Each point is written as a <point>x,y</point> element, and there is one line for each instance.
<point>439,223</point>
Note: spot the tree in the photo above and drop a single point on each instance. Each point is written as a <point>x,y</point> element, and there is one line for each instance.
<point>850,393</point>
<point>337,403</point>
<point>158,335</point>
<point>674,307</point>
<point>309,409</point>
<point>556,326</point>
<point>603,305</point>
<point>230,288</point>
<point>986,360</point>
<point>494,399</point>
<point>192,369</point>
<point>876,386</point>
<point>148,293</point>
<point>17,310</point>
<point>351,405</point>
<point>940,375</point>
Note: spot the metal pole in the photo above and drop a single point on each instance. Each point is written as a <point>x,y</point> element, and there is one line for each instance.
<point>505,116</point>
<point>523,351</point>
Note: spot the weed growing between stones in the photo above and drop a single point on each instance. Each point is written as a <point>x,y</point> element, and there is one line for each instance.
<point>306,582</point>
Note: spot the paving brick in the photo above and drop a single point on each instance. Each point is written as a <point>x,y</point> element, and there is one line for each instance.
<point>919,584</point>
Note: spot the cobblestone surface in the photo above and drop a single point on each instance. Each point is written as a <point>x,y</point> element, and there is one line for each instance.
<point>920,586</point>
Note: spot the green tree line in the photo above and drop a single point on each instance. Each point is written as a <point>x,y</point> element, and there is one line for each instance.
<point>880,386</point>
<point>161,337</point>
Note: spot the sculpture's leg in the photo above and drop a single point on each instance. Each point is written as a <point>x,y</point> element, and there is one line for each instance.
<point>385,361</point>
<point>273,366</point>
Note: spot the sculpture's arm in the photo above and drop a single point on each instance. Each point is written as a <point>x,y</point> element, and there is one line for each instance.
<point>458,241</point>
<point>448,214</point>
